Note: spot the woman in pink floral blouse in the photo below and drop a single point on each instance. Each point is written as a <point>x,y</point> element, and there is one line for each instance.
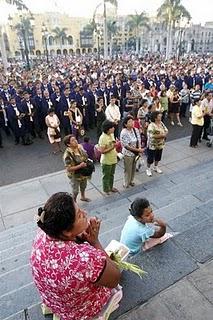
<point>71,270</point>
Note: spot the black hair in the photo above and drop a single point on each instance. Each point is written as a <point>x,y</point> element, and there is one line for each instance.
<point>106,125</point>
<point>58,214</point>
<point>162,92</point>
<point>154,115</point>
<point>67,138</point>
<point>137,207</point>
<point>50,110</point>
<point>86,139</point>
<point>143,101</point>
<point>126,119</point>
<point>99,99</point>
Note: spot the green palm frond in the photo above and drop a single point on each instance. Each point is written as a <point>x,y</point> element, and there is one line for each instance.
<point>173,11</point>
<point>138,20</point>
<point>60,32</point>
<point>26,24</point>
<point>112,28</point>
<point>18,3</point>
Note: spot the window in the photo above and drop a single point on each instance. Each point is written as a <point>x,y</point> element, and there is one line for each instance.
<point>51,41</point>
<point>31,41</point>
<point>70,40</point>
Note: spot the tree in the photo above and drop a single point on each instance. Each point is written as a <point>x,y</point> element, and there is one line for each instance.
<point>60,34</point>
<point>114,3</point>
<point>24,31</point>
<point>26,24</point>
<point>112,29</point>
<point>136,22</point>
<point>171,12</point>
<point>20,5</point>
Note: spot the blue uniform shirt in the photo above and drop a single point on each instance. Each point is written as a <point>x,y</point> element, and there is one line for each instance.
<point>135,233</point>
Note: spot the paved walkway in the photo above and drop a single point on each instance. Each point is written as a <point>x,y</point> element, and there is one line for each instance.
<point>19,201</point>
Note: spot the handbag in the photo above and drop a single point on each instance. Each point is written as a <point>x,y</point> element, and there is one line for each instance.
<point>88,170</point>
<point>57,134</point>
<point>54,132</point>
<point>136,153</point>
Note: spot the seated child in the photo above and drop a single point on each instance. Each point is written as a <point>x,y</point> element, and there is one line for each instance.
<point>137,231</point>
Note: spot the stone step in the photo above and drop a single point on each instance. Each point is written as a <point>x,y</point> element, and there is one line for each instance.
<point>33,311</point>
<point>14,262</point>
<point>112,217</point>
<point>14,232</point>
<point>164,182</point>
<point>17,300</point>
<point>21,275</point>
<point>170,195</point>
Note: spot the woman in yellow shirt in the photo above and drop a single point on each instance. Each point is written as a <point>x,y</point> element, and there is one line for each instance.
<point>197,123</point>
<point>107,147</point>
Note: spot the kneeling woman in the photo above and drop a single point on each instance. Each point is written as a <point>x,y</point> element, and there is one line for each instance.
<point>75,278</point>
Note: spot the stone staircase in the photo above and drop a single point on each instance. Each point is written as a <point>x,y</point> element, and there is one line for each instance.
<point>184,199</point>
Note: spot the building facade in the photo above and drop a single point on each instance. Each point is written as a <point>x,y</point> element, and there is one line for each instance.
<point>69,44</point>
<point>77,38</point>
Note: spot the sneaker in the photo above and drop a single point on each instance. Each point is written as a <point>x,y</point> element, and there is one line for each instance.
<point>148,172</point>
<point>158,170</point>
<point>172,123</point>
<point>179,124</point>
<point>205,138</point>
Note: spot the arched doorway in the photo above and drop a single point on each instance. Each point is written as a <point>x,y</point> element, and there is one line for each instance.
<point>95,50</point>
<point>52,52</point>
<point>65,52</point>
<point>78,51</point>
<point>58,51</point>
<point>38,53</point>
<point>71,51</point>
<point>83,50</point>
<point>89,50</point>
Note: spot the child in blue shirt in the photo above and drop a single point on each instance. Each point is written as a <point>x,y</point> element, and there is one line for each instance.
<point>137,230</point>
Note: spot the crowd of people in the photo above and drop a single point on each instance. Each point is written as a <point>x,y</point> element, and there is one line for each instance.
<point>78,93</point>
<point>126,101</point>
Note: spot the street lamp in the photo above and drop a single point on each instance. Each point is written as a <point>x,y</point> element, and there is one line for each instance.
<point>99,35</point>
<point>44,32</point>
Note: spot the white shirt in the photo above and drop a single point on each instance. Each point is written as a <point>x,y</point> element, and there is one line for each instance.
<point>207,106</point>
<point>113,113</point>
